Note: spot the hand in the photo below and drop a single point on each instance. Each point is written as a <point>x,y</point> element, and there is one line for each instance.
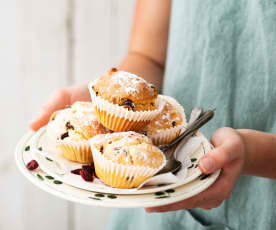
<point>59,99</point>
<point>230,156</point>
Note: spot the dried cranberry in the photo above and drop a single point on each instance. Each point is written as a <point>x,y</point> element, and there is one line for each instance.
<point>86,175</point>
<point>127,103</point>
<point>89,168</point>
<point>131,179</point>
<point>32,165</point>
<point>76,171</point>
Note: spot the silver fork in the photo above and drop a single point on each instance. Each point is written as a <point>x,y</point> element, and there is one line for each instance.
<point>197,120</point>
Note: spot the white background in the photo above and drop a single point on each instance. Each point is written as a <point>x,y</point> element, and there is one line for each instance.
<point>45,45</point>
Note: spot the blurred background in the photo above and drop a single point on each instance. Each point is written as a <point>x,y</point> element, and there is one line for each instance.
<point>45,45</point>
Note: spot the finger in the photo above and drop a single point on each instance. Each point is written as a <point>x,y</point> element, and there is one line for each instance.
<point>216,159</point>
<point>58,100</point>
<point>221,156</point>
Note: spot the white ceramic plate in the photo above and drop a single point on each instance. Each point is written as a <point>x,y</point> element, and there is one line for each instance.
<point>56,187</point>
<point>43,151</point>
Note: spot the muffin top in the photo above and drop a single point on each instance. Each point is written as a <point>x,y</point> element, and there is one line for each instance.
<point>127,90</point>
<point>76,123</point>
<point>170,117</point>
<point>129,148</point>
<point>82,107</point>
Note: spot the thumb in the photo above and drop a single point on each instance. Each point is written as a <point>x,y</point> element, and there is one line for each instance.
<point>219,157</point>
<point>227,143</point>
<point>214,160</point>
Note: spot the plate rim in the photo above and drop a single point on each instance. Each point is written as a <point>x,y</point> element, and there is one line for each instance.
<point>19,150</point>
<point>42,131</point>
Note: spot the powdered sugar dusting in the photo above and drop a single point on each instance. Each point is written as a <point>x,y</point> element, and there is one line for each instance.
<point>74,121</point>
<point>168,118</point>
<point>129,148</point>
<point>127,81</point>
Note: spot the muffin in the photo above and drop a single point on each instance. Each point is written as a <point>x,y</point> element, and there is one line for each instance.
<point>71,128</point>
<point>125,159</point>
<point>124,101</point>
<point>167,125</point>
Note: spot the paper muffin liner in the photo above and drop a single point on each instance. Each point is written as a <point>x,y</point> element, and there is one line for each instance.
<point>168,135</point>
<point>77,151</point>
<point>121,176</point>
<point>118,118</point>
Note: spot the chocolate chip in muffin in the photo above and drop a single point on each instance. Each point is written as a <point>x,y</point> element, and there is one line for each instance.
<point>131,159</point>
<point>69,126</point>
<point>113,70</point>
<point>64,135</point>
<point>96,92</point>
<point>101,149</point>
<point>173,124</point>
<point>143,132</point>
<point>127,103</point>
<point>131,179</point>
<point>154,88</point>
<point>53,117</point>
<point>152,104</point>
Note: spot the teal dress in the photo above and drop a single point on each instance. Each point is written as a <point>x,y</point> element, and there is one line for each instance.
<point>221,54</point>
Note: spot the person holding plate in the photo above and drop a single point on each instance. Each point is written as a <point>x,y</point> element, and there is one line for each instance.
<point>215,54</point>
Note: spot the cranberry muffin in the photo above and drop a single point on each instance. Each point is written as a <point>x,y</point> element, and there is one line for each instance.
<point>124,101</point>
<point>71,128</point>
<point>125,159</point>
<point>167,125</point>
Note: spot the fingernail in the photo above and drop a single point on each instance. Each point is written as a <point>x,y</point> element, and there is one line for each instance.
<point>207,164</point>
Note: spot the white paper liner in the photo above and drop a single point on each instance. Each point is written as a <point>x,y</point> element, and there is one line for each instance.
<point>118,111</point>
<point>184,156</point>
<point>83,144</point>
<point>135,173</point>
<point>167,135</point>
<point>78,151</point>
<point>189,147</point>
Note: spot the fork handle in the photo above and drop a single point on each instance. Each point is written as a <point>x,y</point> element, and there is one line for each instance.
<point>191,129</point>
